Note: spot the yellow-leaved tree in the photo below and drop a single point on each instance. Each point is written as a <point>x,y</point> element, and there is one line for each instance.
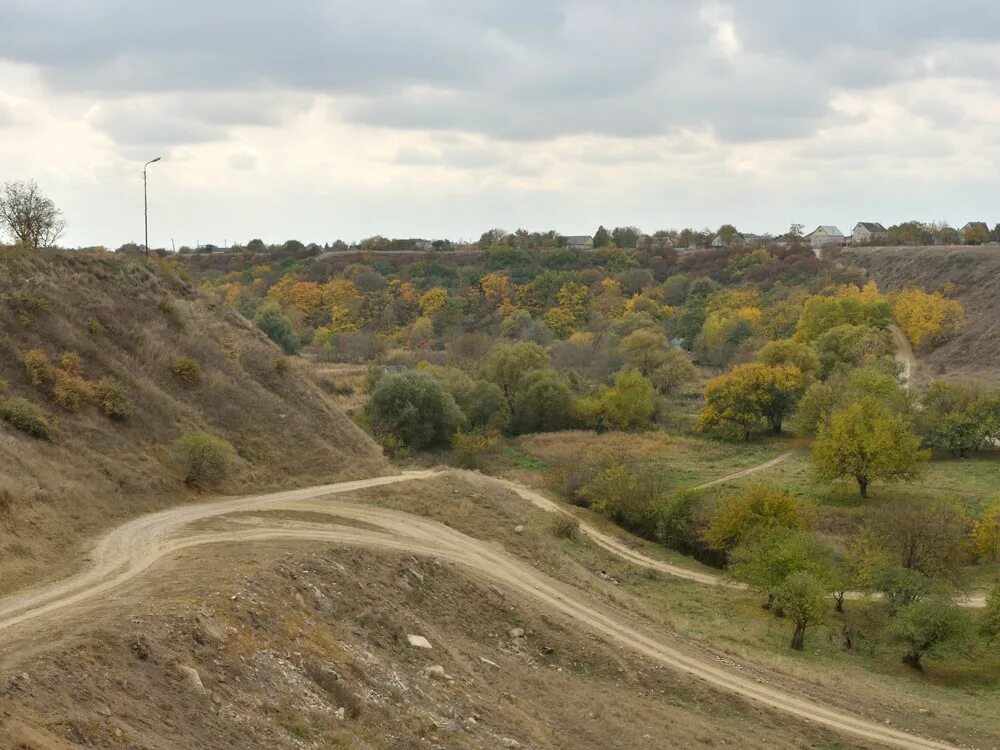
<point>927,317</point>
<point>433,300</point>
<point>867,442</point>
<point>749,398</point>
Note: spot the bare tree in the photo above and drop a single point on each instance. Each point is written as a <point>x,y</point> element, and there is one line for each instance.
<point>30,218</point>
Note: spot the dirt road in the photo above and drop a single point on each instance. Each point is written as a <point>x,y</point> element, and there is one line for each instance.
<point>127,552</point>
<point>904,355</point>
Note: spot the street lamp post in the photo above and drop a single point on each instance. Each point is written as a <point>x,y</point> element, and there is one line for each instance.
<point>145,201</point>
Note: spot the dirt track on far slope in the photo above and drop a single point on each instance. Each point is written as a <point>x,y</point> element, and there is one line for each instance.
<point>130,550</point>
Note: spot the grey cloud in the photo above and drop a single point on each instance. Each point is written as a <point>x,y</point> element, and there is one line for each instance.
<point>243,162</point>
<point>511,69</point>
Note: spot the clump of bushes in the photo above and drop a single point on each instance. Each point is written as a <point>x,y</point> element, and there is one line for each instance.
<point>38,367</point>
<point>23,415</point>
<point>113,399</point>
<point>472,450</point>
<point>71,391</point>
<point>30,304</point>
<point>565,527</point>
<point>413,407</point>
<point>187,370</point>
<point>205,459</point>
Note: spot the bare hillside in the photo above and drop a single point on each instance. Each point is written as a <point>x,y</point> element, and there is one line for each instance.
<point>975,271</point>
<point>131,321</point>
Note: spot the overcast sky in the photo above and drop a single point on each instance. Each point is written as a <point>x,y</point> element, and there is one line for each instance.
<point>325,119</point>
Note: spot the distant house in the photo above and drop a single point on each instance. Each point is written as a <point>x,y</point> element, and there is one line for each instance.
<point>975,225</point>
<point>825,234</point>
<point>580,242</point>
<point>869,231</point>
<point>739,240</point>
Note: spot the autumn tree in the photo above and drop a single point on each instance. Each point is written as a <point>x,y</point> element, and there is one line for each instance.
<point>986,534</point>
<point>930,537</point>
<point>752,511</point>
<point>790,352</point>
<point>28,217</point>
<point>752,395</point>
<point>927,317</point>
<point>849,305</point>
<point>866,442</point>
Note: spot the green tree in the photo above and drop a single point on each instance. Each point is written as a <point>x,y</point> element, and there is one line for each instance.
<point>804,599</point>
<point>508,365</point>
<point>413,407</point>
<point>764,561</point>
<point>790,352</point>
<point>930,626</point>
<point>484,406</point>
<point>602,237</point>
<point>542,402</point>
<point>868,443</point>
<point>737,404</point>
<point>958,417</point>
<point>626,237</point>
<point>989,623</point>
<point>847,346</point>
<point>645,349</point>
<point>628,405</point>
<point>752,511</point>
<point>277,327</point>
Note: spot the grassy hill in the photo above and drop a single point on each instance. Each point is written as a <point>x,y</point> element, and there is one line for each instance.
<point>975,271</point>
<point>130,321</point>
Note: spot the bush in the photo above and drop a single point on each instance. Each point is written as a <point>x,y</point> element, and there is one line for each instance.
<point>38,367</point>
<point>30,304</point>
<point>187,370</point>
<point>471,450</point>
<point>205,459</point>
<point>753,511</point>
<point>70,363</point>
<point>23,415</point>
<point>113,400</point>
<point>414,407</point>
<point>71,391</point>
<point>277,327</point>
<point>565,527</point>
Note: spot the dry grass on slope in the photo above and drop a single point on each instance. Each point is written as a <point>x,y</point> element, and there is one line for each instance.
<point>130,321</point>
<point>975,272</point>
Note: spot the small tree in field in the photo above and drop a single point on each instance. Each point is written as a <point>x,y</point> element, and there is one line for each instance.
<point>930,626</point>
<point>804,599</point>
<point>31,219</point>
<point>868,443</point>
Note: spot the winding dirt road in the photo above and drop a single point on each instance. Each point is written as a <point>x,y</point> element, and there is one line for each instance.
<point>130,550</point>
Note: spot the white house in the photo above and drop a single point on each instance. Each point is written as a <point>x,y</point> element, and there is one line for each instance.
<point>825,234</point>
<point>868,231</point>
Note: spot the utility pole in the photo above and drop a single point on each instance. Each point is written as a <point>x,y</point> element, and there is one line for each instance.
<point>145,201</point>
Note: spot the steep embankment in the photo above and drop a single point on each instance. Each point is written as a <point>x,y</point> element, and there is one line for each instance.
<point>975,273</point>
<point>130,320</point>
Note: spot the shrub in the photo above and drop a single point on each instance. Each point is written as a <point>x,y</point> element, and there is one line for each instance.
<point>23,415</point>
<point>29,304</point>
<point>205,459</point>
<point>931,626</point>
<point>113,399</point>
<point>38,367</point>
<point>277,327</point>
<point>413,406</point>
<point>4,388</point>
<point>71,391</point>
<point>70,363</point>
<point>470,450</point>
<point>96,327</point>
<point>565,527</point>
<point>187,370</point>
